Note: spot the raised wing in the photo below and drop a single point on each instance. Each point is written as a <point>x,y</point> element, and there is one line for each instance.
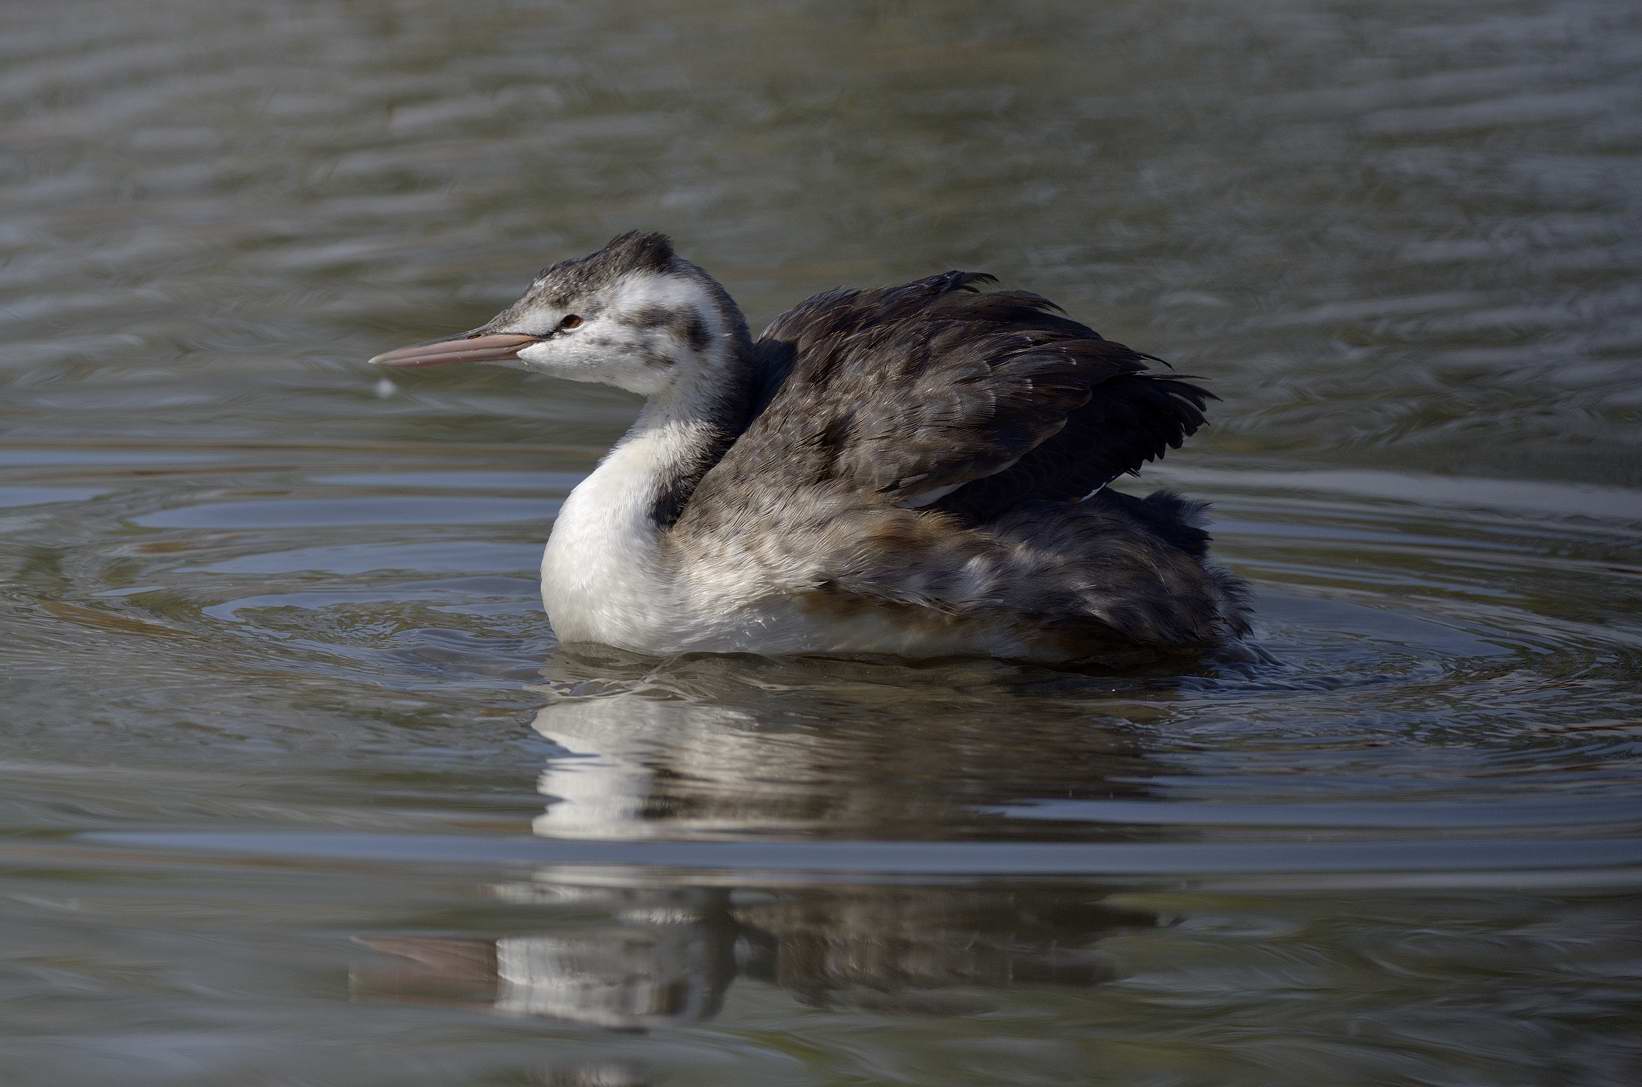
<point>1129,420</point>
<point>934,392</point>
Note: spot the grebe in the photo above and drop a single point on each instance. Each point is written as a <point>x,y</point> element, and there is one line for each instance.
<point>917,471</point>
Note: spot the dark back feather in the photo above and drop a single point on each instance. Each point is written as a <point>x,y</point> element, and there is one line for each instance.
<point>934,387</point>
<point>1129,420</point>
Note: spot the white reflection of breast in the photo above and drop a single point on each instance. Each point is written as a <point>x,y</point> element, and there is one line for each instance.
<point>606,787</point>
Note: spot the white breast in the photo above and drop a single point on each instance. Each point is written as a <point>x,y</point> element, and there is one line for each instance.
<point>604,577</point>
<point>601,576</point>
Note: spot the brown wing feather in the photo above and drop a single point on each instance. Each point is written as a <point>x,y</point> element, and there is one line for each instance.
<point>933,385</point>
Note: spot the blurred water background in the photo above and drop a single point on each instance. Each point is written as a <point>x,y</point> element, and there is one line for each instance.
<point>296,787</point>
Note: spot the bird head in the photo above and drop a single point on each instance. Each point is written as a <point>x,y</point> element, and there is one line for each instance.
<point>633,315</point>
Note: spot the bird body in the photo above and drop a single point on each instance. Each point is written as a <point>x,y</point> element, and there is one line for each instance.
<point>917,470</point>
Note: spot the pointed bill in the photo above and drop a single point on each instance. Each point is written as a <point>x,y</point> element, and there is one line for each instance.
<point>495,347</point>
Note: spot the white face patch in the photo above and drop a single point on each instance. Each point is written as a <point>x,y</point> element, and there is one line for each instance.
<point>643,291</point>
<point>634,334</point>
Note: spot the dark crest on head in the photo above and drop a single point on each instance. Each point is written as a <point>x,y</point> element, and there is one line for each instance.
<point>639,250</point>
<point>634,251</point>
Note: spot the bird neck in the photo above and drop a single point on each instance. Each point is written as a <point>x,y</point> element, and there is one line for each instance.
<point>651,472</point>
<point>683,430</point>
<point>605,557</point>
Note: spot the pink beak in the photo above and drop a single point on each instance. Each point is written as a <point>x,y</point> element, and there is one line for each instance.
<point>497,347</point>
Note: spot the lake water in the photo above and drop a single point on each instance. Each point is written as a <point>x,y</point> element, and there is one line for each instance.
<point>297,788</point>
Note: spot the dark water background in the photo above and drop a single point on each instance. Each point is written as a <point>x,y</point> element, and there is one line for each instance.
<point>296,788</point>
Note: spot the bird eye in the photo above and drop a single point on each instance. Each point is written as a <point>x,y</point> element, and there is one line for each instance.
<point>569,322</point>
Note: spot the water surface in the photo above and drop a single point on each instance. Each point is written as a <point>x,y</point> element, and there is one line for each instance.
<point>298,787</point>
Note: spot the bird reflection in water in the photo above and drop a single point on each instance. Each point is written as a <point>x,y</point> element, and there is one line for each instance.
<point>669,955</point>
<point>715,750</point>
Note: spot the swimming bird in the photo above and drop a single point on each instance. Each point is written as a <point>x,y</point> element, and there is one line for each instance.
<point>919,470</point>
